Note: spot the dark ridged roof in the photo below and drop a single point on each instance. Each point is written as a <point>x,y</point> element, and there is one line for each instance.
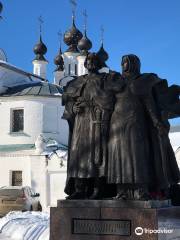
<point>34,89</point>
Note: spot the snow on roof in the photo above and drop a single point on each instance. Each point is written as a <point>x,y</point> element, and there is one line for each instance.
<point>27,225</point>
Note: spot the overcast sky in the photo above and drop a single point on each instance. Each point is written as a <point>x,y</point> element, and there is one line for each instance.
<point>147,28</point>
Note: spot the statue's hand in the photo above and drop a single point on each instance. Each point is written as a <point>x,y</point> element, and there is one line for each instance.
<point>77,109</point>
<point>80,99</point>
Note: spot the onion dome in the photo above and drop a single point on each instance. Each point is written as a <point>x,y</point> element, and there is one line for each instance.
<point>85,44</point>
<point>103,55</point>
<point>59,62</point>
<point>40,50</point>
<point>72,37</point>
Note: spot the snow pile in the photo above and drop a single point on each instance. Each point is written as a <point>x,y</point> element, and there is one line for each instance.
<point>25,226</point>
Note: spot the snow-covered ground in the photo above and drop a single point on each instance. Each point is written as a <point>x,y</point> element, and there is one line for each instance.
<point>25,226</point>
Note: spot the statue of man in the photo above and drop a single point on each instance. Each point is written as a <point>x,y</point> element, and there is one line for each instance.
<point>88,107</point>
<point>141,161</point>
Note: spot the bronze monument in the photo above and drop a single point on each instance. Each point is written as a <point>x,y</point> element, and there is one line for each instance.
<point>119,133</point>
<point>121,171</point>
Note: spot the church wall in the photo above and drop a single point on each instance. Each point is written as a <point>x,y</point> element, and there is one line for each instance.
<point>56,179</point>
<point>44,176</point>
<point>38,177</point>
<point>14,163</point>
<point>81,69</point>
<point>41,115</point>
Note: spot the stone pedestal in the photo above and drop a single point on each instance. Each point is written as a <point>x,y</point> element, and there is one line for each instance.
<point>114,220</point>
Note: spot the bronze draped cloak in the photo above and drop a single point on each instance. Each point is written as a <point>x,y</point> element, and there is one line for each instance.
<point>137,153</point>
<point>88,136</point>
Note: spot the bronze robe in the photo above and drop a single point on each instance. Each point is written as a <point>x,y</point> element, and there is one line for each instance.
<point>89,129</point>
<point>137,153</point>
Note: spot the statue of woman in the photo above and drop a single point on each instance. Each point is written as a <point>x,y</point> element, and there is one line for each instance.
<point>88,107</point>
<point>140,159</point>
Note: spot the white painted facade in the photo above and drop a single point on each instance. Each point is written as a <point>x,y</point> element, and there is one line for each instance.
<point>40,68</point>
<point>43,174</point>
<point>81,69</point>
<point>41,115</point>
<point>58,75</point>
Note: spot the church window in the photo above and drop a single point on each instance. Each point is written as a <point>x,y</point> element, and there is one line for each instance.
<point>16,178</point>
<point>69,69</point>
<point>17,120</point>
<point>76,69</point>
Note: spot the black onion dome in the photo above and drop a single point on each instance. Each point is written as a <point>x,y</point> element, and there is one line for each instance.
<point>85,43</point>
<point>58,60</point>
<point>72,37</point>
<point>103,55</point>
<point>40,49</point>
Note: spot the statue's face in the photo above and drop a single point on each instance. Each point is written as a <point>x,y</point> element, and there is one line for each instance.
<point>92,64</point>
<point>131,64</point>
<point>125,65</point>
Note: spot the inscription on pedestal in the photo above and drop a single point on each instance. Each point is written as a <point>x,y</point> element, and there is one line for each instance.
<point>101,227</point>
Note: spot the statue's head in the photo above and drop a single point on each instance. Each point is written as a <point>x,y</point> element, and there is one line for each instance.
<point>93,63</point>
<point>131,64</point>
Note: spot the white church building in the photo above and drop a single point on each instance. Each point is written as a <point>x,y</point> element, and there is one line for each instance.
<point>33,139</point>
